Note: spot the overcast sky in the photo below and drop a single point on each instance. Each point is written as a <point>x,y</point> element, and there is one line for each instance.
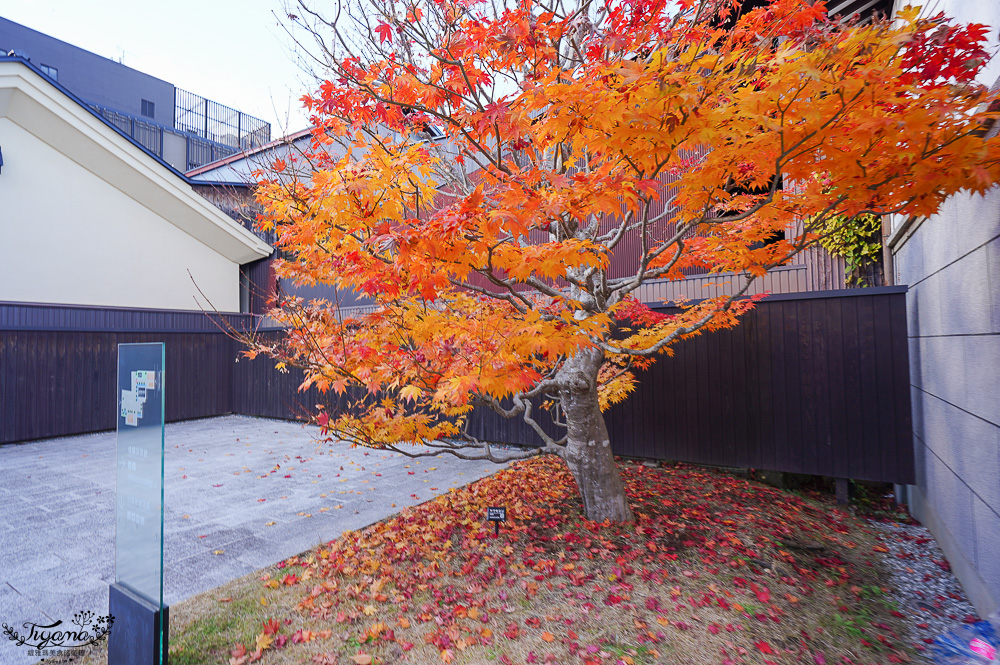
<point>232,52</point>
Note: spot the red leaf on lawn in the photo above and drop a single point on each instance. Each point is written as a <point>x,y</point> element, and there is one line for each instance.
<point>763,646</point>
<point>762,593</point>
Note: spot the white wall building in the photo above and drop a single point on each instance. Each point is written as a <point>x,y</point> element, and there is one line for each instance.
<point>89,218</point>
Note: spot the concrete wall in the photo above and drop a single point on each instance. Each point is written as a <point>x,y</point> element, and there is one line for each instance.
<point>951,263</point>
<point>72,237</point>
<point>175,150</point>
<point>91,77</point>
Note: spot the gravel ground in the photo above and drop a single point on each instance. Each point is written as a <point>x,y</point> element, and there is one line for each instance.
<point>928,595</point>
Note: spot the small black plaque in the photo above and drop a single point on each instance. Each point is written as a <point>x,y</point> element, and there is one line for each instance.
<point>496,514</point>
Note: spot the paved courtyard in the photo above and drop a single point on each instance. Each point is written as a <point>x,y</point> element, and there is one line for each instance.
<point>240,494</point>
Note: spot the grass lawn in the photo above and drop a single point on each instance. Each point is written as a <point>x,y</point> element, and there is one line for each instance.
<point>716,569</point>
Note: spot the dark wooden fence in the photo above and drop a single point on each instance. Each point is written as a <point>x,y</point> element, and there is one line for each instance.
<point>259,389</point>
<point>808,383</point>
<point>58,366</point>
<point>816,384</point>
<point>813,383</point>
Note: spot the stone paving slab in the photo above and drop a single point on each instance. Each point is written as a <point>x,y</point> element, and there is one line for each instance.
<point>225,480</point>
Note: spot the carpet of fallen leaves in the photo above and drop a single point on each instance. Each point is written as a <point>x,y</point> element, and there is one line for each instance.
<point>716,569</point>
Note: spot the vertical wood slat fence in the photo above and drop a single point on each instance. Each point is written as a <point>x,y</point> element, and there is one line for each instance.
<point>58,366</point>
<point>814,383</point>
<point>808,383</point>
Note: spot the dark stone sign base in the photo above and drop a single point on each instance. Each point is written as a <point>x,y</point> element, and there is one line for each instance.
<point>135,637</point>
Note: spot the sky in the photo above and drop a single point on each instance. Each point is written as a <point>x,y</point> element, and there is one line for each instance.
<point>232,52</point>
<point>235,52</point>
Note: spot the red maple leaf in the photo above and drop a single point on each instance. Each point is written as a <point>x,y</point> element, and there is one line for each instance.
<point>384,31</point>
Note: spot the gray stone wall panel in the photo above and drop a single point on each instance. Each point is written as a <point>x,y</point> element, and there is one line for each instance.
<point>988,542</point>
<point>917,397</point>
<point>952,264</point>
<point>967,446</point>
<point>993,278</point>
<point>923,303</point>
<point>966,301</point>
<point>952,504</point>
<point>982,353</point>
<point>946,376</point>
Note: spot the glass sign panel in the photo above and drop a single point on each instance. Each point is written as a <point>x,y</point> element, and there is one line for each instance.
<point>139,499</point>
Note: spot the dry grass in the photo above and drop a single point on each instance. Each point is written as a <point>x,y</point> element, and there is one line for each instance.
<point>717,569</point>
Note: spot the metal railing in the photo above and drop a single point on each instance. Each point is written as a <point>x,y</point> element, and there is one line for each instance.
<point>218,123</point>
<point>149,135</point>
<point>203,151</point>
<point>212,131</point>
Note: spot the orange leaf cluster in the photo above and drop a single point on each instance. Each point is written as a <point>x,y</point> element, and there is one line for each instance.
<point>653,139</point>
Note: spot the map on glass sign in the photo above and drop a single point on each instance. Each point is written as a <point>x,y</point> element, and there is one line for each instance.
<point>132,400</point>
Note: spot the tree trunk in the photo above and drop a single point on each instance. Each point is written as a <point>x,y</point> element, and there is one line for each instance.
<point>588,448</point>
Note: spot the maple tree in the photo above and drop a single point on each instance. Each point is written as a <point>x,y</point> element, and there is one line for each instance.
<point>575,137</point>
